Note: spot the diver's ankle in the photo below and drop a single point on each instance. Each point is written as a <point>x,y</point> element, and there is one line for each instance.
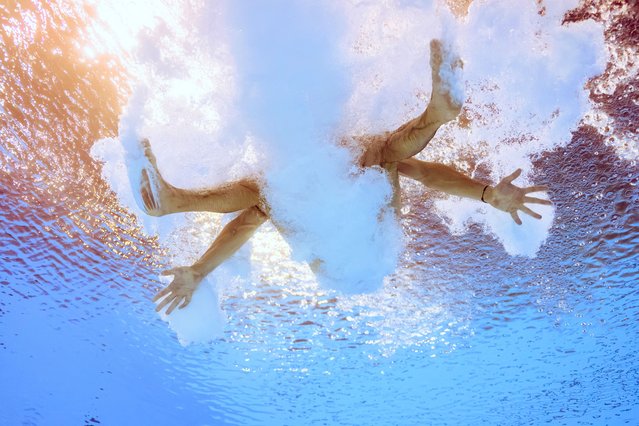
<point>439,116</point>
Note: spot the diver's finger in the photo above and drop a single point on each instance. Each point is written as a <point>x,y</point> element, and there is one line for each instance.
<point>176,302</point>
<point>170,271</point>
<point>187,300</point>
<point>515,217</point>
<point>165,302</point>
<point>161,293</point>
<point>145,194</point>
<point>530,212</point>
<point>511,177</point>
<point>536,188</point>
<point>537,201</point>
<point>154,202</point>
<point>150,202</point>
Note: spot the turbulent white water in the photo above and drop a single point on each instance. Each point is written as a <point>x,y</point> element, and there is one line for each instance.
<point>230,89</point>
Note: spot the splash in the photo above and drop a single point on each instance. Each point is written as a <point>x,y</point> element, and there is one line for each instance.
<point>228,90</point>
<point>524,75</point>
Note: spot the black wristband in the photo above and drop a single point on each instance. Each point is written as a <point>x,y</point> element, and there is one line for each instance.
<point>482,194</point>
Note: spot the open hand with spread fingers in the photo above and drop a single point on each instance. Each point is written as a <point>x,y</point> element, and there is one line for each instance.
<point>180,291</point>
<point>510,198</point>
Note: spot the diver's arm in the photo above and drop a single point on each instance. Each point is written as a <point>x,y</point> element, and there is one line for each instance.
<point>233,236</point>
<point>187,278</point>
<point>443,178</point>
<point>504,196</point>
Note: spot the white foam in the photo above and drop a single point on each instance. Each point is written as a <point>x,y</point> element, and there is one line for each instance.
<point>202,320</point>
<point>229,89</point>
<point>524,75</point>
<point>451,75</point>
<point>330,210</point>
<point>340,215</point>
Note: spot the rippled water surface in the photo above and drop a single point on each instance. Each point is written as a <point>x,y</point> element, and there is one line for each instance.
<point>463,333</point>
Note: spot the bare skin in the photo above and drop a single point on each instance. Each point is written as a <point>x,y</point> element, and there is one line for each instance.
<point>391,150</point>
<point>412,137</point>
<point>504,196</point>
<point>187,278</point>
<point>226,198</point>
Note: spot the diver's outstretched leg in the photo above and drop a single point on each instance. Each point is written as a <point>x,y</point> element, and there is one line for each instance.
<point>159,198</point>
<point>444,106</point>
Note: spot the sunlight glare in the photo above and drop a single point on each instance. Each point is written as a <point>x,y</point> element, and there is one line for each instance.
<point>119,23</point>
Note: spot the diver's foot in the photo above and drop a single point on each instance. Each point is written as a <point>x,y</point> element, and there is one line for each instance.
<point>447,96</point>
<point>155,191</point>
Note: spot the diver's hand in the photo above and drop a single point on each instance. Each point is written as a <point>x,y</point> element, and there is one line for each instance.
<point>185,281</point>
<point>510,198</point>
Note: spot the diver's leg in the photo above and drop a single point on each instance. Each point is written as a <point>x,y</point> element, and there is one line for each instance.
<point>410,138</point>
<point>161,198</point>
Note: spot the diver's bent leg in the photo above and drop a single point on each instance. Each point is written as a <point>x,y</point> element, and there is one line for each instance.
<point>161,198</point>
<point>405,142</point>
<point>410,138</point>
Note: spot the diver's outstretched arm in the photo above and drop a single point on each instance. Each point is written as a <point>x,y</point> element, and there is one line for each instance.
<point>442,178</point>
<point>504,196</point>
<point>187,278</point>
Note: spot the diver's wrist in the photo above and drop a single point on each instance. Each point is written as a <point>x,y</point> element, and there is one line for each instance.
<point>488,194</point>
<point>198,272</point>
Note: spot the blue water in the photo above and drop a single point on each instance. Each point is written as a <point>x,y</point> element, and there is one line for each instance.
<point>463,334</point>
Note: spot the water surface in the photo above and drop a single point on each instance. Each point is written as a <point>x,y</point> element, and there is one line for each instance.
<point>463,333</point>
